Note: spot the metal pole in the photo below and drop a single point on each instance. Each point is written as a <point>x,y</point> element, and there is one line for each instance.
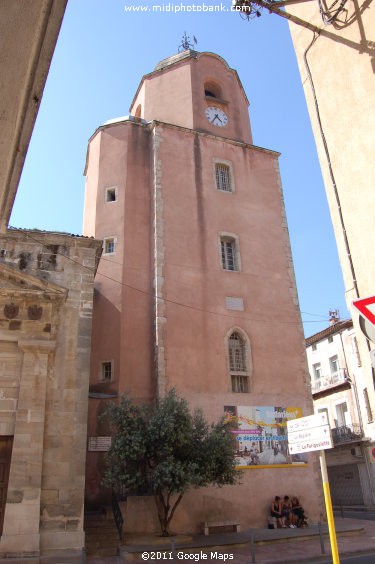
<point>252,549</point>
<point>327,498</point>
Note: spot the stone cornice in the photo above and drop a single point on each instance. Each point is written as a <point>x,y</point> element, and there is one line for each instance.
<point>37,345</point>
<point>155,123</point>
<point>212,136</point>
<point>25,284</point>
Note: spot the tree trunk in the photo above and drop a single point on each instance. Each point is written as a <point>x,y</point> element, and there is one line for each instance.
<point>165,511</point>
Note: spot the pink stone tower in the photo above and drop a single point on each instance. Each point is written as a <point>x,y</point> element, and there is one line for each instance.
<point>195,289</point>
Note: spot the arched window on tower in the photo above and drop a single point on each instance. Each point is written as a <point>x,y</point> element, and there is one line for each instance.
<point>238,365</point>
<point>212,89</point>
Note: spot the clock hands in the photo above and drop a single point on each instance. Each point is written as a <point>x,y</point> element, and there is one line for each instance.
<point>216,116</point>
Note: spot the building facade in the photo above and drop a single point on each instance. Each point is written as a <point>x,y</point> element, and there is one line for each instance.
<point>46,288</point>
<point>196,261</point>
<point>28,35</point>
<point>339,390</point>
<point>336,64</point>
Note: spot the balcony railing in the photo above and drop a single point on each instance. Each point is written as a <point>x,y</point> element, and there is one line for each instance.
<point>346,434</point>
<point>331,381</point>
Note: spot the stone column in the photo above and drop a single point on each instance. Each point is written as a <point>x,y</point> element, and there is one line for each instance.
<point>22,512</point>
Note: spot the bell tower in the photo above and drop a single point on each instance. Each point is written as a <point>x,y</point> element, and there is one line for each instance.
<point>198,91</point>
<point>195,289</point>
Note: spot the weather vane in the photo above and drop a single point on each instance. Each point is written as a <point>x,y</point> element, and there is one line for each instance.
<point>185,43</point>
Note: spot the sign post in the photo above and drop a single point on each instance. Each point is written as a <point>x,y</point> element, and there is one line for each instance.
<point>307,434</point>
<point>328,502</point>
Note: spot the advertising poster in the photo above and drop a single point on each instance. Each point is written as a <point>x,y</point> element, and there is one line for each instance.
<point>262,437</point>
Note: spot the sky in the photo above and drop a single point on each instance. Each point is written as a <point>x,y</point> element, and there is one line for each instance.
<point>104,49</point>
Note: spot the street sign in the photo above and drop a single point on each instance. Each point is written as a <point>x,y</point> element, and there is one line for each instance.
<point>309,446</point>
<point>366,307</point>
<point>308,422</point>
<point>308,435</point>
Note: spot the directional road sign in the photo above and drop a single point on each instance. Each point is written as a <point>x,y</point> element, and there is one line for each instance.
<point>306,434</point>
<point>314,434</point>
<point>308,422</point>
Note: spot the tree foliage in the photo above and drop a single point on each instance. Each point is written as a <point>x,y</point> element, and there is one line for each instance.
<point>165,450</point>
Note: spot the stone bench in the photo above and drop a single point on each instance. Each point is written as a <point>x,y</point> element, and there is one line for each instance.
<point>233,525</point>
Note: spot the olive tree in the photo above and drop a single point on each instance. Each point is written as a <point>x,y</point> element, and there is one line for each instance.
<point>165,450</point>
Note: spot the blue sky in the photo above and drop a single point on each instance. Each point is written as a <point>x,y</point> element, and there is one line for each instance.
<point>100,57</point>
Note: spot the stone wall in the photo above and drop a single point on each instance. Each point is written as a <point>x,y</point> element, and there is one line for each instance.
<point>46,293</point>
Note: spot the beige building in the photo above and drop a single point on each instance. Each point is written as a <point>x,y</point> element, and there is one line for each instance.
<point>339,390</point>
<point>337,70</point>
<point>196,289</point>
<point>28,35</point>
<point>46,289</point>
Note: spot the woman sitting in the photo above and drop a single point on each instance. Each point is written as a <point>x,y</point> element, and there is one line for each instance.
<point>297,513</point>
<point>286,512</point>
<point>276,511</point>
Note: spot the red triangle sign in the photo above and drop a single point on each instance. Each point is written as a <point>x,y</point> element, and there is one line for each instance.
<point>362,306</point>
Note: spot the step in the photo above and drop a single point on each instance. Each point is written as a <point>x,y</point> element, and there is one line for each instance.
<point>99,543</point>
<point>104,551</point>
<point>101,536</point>
<point>96,529</point>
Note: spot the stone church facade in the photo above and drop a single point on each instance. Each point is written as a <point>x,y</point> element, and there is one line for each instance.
<point>46,291</point>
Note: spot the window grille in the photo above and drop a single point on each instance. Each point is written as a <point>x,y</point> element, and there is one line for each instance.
<point>228,254</point>
<point>237,363</point>
<point>240,384</point>
<point>223,179</point>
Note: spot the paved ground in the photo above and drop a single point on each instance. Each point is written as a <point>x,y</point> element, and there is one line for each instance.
<point>292,545</point>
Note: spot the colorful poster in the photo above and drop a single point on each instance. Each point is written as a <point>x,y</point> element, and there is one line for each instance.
<point>262,437</point>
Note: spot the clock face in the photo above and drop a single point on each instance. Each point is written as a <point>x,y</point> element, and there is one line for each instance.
<point>216,116</point>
